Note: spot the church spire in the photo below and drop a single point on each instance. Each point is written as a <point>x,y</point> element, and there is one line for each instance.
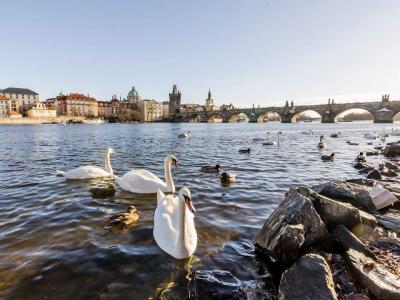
<point>209,93</point>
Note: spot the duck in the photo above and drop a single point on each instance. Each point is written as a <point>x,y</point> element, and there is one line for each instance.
<point>272,143</point>
<point>309,132</point>
<point>103,192</point>
<point>247,150</point>
<point>228,177</point>
<point>328,157</point>
<point>185,135</point>
<point>144,182</point>
<point>123,220</point>
<point>211,169</point>
<point>174,230</point>
<point>336,135</point>
<point>91,172</point>
<point>361,158</point>
<point>321,143</point>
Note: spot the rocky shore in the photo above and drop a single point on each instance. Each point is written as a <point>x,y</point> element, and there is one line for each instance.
<point>337,240</point>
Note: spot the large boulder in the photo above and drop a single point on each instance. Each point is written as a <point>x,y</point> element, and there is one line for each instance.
<point>291,229</point>
<point>309,278</point>
<point>363,263</point>
<point>390,220</point>
<point>355,194</point>
<point>374,174</point>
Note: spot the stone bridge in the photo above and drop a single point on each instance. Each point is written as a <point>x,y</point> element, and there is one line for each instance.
<point>382,112</point>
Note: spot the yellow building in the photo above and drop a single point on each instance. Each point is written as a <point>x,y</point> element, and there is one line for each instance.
<point>151,110</point>
<point>5,106</point>
<point>40,110</point>
<point>79,105</point>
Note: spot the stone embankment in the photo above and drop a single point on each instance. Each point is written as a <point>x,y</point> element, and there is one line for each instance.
<point>27,121</point>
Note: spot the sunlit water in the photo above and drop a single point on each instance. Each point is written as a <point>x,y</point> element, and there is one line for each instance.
<point>52,241</point>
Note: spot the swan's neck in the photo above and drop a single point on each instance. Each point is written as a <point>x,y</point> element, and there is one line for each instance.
<point>168,177</point>
<point>107,164</point>
<point>182,227</point>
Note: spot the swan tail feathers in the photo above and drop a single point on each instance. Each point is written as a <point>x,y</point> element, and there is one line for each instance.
<point>61,173</point>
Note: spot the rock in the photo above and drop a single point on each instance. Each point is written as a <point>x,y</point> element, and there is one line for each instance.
<point>367,227</point>
<point>391,166</point>
<point>309,278</point>
<point>333,212</point>
<point>362,166</point>
<point>355,194</point>
<point>390,220</point>
<point>370,153</point>
<point>388,172</point>
<point>292,228</point>
<point>374,174</point>
<point>381,197</point>
<point>362,181</point>
<point>373,276</point>
<point>392,150</point>
<point>350,241</point>
<point>103,192</point>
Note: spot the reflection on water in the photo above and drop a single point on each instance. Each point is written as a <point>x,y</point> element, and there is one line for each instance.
<point>53,244</point>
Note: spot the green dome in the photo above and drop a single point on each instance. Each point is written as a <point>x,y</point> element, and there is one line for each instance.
<point>133,94</point>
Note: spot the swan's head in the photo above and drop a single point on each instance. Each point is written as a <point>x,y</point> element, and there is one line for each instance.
<point>172,160</point>
<point>111,151</point>
<point>185,195</point>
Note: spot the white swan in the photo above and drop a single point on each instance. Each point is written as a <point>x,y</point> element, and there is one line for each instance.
<point>321,143</point>
<point>371,135</point>
<point>174,229</point>
<point>144,182</point>
<point>270,142</point>
<point>91,172</point>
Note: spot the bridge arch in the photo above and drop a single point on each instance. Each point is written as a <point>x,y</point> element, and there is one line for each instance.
<point>307,115</point>
<point>239,117</point>
<point>349,114</point>
<point>215,118</point>
<point>269,116</point>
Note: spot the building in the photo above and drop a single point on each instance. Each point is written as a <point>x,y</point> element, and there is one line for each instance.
<point>225,107</point>
<point>209,102</point>
<point>133,96</point>
<point>77,105</point>
<point>20,97</point>
<point>105,109</point>
<point>39,110</point>
<point>174,101</point>
<point>5,106</point>
<point>191,107</point>
<point>15,115</point>
<point>151,110</point>
<point>165,110</point>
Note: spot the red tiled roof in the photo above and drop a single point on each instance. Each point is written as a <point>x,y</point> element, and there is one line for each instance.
<point>2,97</point>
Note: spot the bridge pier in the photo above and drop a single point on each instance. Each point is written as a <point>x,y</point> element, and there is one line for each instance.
<point>384,115</point>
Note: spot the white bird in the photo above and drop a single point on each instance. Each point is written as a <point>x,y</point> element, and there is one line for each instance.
<point>371,135</point>
<point>321,143</point>
<point>185,135</point>
<point>144,182</point>
<point>174,229</point>
<point>270,142</point>
<point>91,172</point>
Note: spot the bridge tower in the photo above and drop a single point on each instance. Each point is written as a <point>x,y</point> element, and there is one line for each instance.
<point>174,101</point>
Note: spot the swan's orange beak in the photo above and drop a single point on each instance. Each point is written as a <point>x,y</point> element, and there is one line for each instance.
<point>189,204</point>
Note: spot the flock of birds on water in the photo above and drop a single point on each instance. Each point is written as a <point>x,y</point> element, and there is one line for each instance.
<point>174,229</point>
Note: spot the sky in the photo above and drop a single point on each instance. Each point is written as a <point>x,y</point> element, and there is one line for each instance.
<point>246,51</point>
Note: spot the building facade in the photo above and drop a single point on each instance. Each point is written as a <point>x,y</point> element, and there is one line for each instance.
<point>20,97</point>
<point>151,110</point>
<point>209,102</point>
<point>77,105</point>
<point>40,110</point>
<point>5,106</point>
<point>174,101</point>
<point>105,109</point>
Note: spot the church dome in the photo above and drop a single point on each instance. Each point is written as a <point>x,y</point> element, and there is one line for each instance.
<point>133,95</point>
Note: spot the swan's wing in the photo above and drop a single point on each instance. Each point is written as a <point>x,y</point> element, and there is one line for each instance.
<point>141,181</point>
<point>86,172</point>
<point>160,196</point>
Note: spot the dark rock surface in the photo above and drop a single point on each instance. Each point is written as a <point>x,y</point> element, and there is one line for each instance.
<point>374,174</point>
<point>309,278</point>
<point>355,194</point>
<point>291,229</point>
<point>390,220</point>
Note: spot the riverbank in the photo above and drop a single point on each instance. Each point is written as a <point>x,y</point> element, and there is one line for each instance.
<point>56,120</point>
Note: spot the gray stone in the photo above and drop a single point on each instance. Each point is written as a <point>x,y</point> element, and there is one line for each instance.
<point>390,220</point>
<point>309,278</point>
<point>291,229</point>
<point>391,166</point>
<point>355,194</point>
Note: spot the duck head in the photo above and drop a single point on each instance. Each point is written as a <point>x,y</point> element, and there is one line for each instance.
<point>185,195</point>
<point>131,209</point>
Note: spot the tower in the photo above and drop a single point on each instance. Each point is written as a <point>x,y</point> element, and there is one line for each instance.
<point>209,102</point>
<point>174,101</point>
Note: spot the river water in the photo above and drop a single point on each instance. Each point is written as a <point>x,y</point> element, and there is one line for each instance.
<point>53,244</point>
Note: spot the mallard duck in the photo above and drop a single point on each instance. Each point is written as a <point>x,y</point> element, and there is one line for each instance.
<point>211,169</point>
<point>360,157</point>
<point>123,220</point>
<point>103,192</point>
<point>228,177</point>
<point>247,150</point>
<point>328,157</point>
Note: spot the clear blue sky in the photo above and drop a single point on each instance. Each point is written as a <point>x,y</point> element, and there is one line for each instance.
<point>261,52</point>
